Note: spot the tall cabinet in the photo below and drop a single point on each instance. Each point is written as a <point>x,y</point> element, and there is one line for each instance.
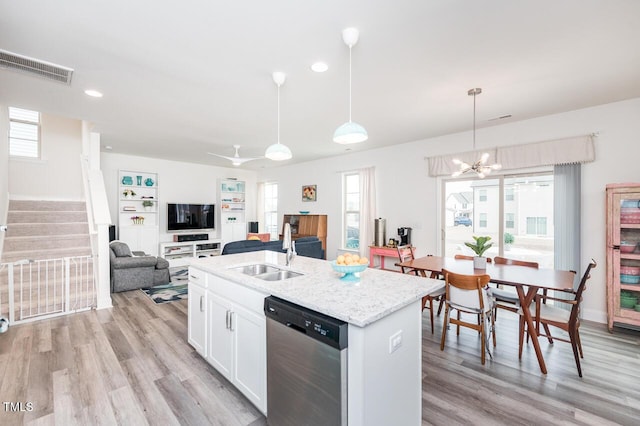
<point>623,255</point>
<point>138,210</point>
<point>232,223</point>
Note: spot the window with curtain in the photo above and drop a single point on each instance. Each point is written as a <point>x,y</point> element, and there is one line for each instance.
<point>271,209</point>
<point>351,211</point>
<point>24,133</point>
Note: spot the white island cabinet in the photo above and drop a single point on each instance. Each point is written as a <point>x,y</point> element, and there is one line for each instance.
<point>383,310</point>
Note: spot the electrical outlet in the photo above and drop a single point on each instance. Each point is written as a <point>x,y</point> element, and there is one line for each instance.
<point>3,228</point>
<point>395,341</point>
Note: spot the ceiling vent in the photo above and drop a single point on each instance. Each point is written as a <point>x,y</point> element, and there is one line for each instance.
<point>35,67</point>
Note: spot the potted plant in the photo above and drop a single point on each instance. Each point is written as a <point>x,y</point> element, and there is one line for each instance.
<point>479,247</point>
<point>508,240</point>
<point>147,205</point>
<point>128,193</point>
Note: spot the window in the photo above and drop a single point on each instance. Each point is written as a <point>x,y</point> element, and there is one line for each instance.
<point>271,209</point>
<point>351,211</point>
<point>508,194</point>
<point>483,220</point>
<point>537,225</point>
<point>482,195</point>
<point>510,220</point>
<point>24,133</point>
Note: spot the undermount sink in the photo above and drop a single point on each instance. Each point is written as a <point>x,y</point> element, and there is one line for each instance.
<point>267,272</point>
<point>279,275</point>
<point>256,269</point>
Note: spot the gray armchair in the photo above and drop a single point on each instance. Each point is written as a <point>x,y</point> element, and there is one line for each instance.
<point>130,272</point>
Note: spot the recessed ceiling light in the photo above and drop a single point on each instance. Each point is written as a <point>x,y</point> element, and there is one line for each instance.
<point>93,93</point>
<point>319,67</point>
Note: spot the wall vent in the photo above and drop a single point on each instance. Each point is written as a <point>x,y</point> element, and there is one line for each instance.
<point>35,67</point>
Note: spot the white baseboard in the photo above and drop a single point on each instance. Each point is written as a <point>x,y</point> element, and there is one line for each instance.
<point>594,315</point>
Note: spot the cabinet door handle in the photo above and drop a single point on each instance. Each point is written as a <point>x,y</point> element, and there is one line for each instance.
<point>193,276</point>
<point>231,315</point>
<point>201,307</point>
<point>227,321</point>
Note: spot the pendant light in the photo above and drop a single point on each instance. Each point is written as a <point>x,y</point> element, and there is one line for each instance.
<point>350,132</point>
<point>479,167</point>
<point>278,151</point>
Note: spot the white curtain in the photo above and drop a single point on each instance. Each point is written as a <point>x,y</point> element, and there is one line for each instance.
<point>367,208</point>
<point>566,218</point>
<point>260,207</point>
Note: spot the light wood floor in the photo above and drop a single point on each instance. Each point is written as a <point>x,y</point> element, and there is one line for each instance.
<point>131,365</point>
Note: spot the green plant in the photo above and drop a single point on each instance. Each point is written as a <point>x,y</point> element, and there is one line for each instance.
<point>479,246</point>
<point>508,238</point>
<point>147,203</point>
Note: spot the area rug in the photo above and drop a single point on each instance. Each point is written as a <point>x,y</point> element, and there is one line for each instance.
<point>175,290</point>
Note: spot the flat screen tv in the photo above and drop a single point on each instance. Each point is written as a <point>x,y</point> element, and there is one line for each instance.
<point>184,217</point>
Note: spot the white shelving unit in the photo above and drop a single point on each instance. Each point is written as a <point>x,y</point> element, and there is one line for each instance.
<point>179,254</point>
<point>232,218</point>
<point>137,223</point>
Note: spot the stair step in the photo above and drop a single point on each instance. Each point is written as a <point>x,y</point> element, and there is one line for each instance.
<point>10,257</point>
<point>46,229</point>
<point>50,242</point>
<point>46,216</point>
<point>47,205</point>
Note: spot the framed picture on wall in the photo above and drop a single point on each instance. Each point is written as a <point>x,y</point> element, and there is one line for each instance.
<point>309,192</point>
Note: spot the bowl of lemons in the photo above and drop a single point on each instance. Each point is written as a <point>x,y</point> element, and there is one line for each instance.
<point>350,265</point>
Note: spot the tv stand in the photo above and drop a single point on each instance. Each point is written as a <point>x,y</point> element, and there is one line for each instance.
<point>181,253</point>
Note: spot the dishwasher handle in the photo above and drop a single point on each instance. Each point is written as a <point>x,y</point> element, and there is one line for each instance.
<point>296,327</point>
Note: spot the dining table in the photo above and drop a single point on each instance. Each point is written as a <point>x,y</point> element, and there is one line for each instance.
<point>526,281</point>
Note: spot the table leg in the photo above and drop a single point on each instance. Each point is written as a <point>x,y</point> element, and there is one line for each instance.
<point>525,301</point>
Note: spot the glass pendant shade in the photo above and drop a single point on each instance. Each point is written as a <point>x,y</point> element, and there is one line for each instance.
<point>278,152</point>
<point>350,132</point>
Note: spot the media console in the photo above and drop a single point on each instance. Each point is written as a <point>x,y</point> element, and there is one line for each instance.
<point>180,253</point>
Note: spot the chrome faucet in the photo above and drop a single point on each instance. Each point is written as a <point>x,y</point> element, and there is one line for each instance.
<point>288,245</point>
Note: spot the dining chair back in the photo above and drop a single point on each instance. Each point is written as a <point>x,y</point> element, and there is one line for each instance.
<point>406,253</point>
<point>569,321</point>
<point>468,294</point>
<point>505,299</point>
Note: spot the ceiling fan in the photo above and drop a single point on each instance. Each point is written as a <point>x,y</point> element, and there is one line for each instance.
<point>236,160</point>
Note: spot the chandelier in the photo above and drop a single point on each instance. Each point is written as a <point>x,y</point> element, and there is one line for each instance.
<point>480,167</point>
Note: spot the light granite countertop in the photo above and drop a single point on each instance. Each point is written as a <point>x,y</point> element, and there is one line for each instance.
<point>376,295</point>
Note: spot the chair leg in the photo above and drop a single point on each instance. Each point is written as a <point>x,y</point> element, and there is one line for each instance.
<point>548,332</point>
<point>445,325</point>
<point>493,330</point>
<point>431,312</point>
<point>440,305</point>
<point>574,346</point>
<point>521,337</point>
<point>483,340</point>
<point>458,325</point>
<point>579,343</point>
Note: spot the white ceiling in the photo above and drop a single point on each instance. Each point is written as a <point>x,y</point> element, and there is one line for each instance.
<point>181,78</point>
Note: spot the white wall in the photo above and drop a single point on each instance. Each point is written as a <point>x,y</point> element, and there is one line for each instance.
<point>407,196</point>
<point>4,169</point>
<point>57,175</point>
<point>178,182</point>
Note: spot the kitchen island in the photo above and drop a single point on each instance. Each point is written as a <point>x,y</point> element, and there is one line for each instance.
<point>227,327</point>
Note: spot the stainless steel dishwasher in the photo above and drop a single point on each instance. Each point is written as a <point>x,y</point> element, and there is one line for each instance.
<point>306,366</point>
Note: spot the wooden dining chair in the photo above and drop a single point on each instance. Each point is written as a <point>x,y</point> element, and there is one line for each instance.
<point>405,254</point>
<point>508,300</point>
<point>569,321</point>
<point>465,257</point>
<point>468,294</point>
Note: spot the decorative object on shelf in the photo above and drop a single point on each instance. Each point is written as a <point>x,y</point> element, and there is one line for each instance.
<point>309,193</point>
<point>278,151</point>
<point>628,299</point>
<point>137,220</point>
<point>236,160</point>
<point>628,246</point>
<point>147,205</point>
<point>128,193</point>
<point>350,132</point>
<point>139,180</point>
<point>149,182</point>
<point>303,211</point>
<point>127,180</point>
<point>479,247</point>
<point>479,167</point>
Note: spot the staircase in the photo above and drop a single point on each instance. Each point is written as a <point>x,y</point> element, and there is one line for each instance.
<point>46,230</point>
<point>48,249</point>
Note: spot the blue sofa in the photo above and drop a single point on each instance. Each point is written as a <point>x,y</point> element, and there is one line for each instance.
<point>306,246</point>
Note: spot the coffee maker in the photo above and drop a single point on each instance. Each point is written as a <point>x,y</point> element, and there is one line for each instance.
<point>405,235</point>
